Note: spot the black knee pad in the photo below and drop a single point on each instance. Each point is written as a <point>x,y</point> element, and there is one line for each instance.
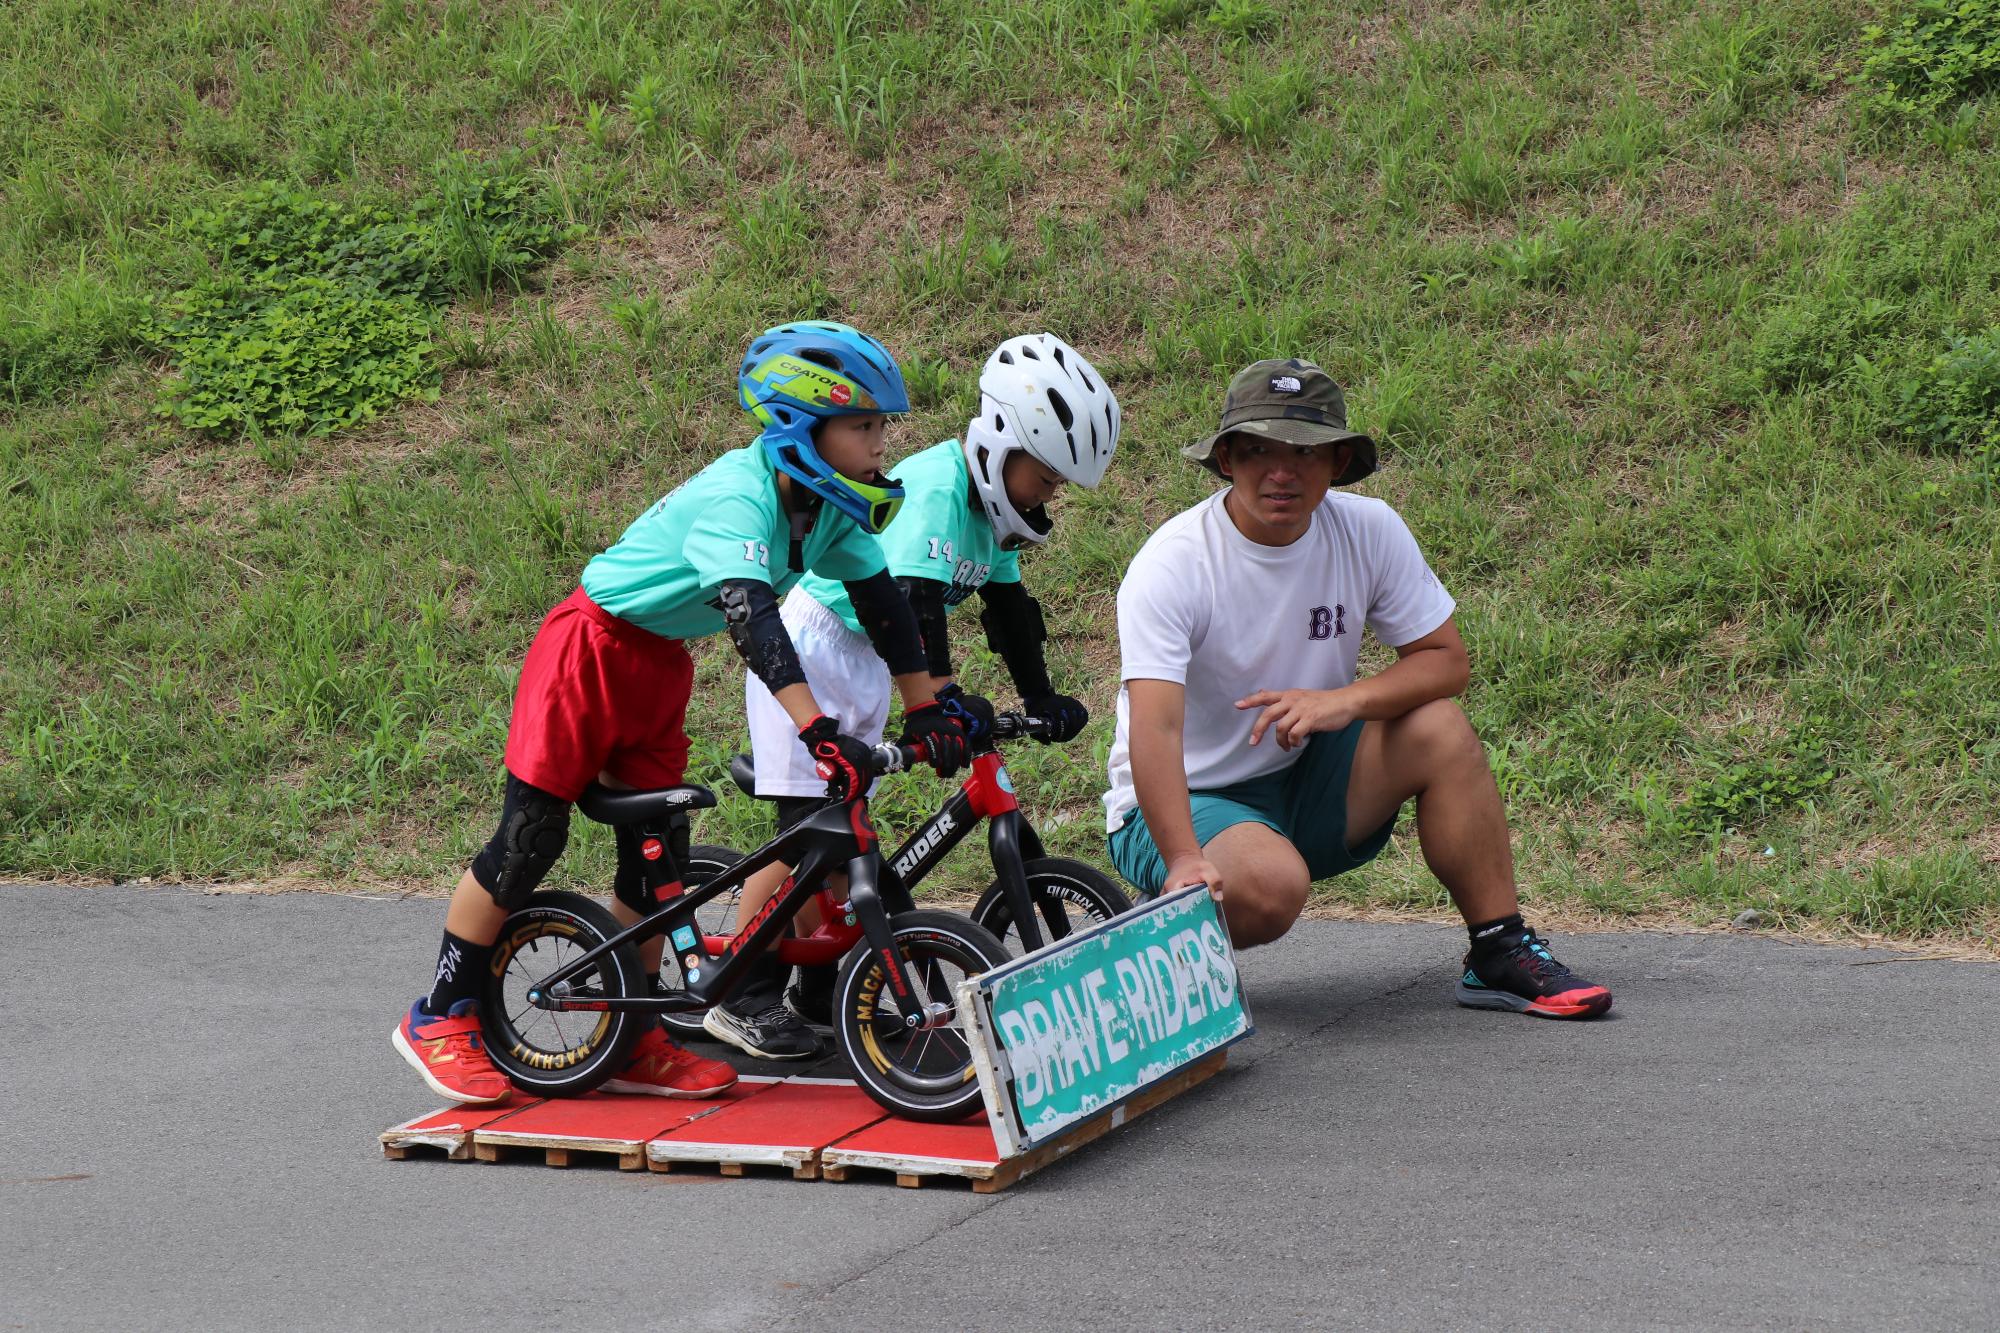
<point>534,829</point>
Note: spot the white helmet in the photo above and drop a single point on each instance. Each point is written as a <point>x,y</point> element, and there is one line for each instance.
<point>1038,396</point>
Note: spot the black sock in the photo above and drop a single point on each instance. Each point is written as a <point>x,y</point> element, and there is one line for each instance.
<point>763,985</point>
<point>1490,934</point>
<point>461,963</point>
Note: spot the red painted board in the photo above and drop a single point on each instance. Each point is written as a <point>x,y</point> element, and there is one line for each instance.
<point>448,1118</point>
<point>782,1127</point>
<point>610,1117</point>
<point>450,1127</point>
<point>967,1141</point>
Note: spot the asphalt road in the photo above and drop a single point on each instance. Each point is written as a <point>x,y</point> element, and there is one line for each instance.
<point>1764,1135</point>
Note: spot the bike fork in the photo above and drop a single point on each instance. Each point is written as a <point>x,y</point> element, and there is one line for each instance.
<point>863,895</point>
<point>1003,838</point>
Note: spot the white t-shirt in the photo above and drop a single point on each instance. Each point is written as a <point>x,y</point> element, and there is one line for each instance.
<point>1207,608</point>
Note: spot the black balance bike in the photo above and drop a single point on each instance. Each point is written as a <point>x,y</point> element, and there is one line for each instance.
<point>1066,895</point>
<point>566,998</point>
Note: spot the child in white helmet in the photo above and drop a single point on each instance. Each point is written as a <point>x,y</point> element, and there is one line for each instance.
<point>969,508</point>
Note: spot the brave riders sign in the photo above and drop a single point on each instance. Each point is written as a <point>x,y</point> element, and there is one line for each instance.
<point>1077,1027</point>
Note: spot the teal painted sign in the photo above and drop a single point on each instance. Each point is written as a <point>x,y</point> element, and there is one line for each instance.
<point>1091,1019</point>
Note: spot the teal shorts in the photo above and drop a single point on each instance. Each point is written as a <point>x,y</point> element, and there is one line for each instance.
<point>1305,804</point>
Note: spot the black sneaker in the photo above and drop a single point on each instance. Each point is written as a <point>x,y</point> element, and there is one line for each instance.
<point>774,1032</point>
<point>811,996</point>
<point>1523,976</point>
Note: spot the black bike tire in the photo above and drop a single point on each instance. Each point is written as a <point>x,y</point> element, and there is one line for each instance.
<point>1084,886</point>
<point>705,861</point>
<point>918,933</point>
<point>616,1030</point>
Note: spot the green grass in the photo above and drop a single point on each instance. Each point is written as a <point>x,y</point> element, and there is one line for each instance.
<point>1672,334</point>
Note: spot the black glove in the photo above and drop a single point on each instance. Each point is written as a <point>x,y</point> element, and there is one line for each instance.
<point>1065,716</point>
<point>938,733</point>
<point>843,761</point>
<point>973,714</point>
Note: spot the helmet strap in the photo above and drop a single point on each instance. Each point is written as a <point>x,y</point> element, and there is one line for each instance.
<point>798,552</point>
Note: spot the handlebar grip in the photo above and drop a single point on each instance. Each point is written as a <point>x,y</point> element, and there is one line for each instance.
<point>892,758</point>
<point>1013,726</point>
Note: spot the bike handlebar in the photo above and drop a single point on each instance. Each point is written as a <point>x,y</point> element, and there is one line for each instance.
<point>1013,726</point>
<point>890,757</point>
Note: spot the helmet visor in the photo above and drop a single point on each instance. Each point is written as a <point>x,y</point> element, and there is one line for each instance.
<point>883,497</point>
<point>1039,523</point>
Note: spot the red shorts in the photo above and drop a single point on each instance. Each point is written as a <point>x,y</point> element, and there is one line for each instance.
<point>599,694</point>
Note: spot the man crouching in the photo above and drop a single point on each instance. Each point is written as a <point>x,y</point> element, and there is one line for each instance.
<point>1248,757</point>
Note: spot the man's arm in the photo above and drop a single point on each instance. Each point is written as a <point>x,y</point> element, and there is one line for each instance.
<point>1156,711</point>
<point>1435,666</point>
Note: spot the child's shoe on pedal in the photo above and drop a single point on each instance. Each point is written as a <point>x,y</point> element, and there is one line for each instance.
<point>1516,971</point>
<point>762,1026</point>
<point>450,1055</point>
<point>659,1068</point>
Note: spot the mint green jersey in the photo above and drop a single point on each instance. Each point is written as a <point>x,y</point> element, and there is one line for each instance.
<point>725,522</point>
<point>936,535</point>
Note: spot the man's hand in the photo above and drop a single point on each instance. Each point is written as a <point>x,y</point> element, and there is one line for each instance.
<point>1294,715</point>
<point>1193,868</point>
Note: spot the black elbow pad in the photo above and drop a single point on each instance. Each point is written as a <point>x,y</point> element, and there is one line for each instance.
<point>889,623</point>
<point>1014,630</point>
<point>750,610</point>
<point>926,598</point>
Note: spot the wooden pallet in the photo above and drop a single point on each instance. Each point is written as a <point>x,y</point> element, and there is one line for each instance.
<point>917,1154</point>
<point>448,1130</point>
<point>914,1152</point>
<point>811,1128</point>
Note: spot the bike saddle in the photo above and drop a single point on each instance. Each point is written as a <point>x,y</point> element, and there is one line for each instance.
<point>608,805</point>
<point>743,770</point>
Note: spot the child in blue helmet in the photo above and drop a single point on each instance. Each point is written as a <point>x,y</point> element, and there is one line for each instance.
<point>1045,419</point>
<point>603,694</point>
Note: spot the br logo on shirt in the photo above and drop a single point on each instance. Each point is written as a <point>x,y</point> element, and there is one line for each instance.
<point>1328,624</point>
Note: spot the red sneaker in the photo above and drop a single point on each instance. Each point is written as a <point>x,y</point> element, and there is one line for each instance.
<point>449,1054</point>
<point>661,1069</point>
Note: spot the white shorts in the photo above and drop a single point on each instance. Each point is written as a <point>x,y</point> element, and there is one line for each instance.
<point>849,680</point>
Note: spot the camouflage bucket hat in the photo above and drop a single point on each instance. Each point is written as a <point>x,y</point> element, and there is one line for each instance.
<point>1293,402</point>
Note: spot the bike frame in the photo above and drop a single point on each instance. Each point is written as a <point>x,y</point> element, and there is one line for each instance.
<point>824,841</point>
<point>986,794</point>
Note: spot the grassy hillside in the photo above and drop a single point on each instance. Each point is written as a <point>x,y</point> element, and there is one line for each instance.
<point>1680,338</point>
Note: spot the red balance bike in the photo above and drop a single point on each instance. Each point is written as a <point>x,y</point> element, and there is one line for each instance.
<point>1060,895</point>
<point>565,997</point>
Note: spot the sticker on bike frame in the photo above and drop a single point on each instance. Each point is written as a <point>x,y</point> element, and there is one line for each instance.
<point>684,938</point>
<point>1084,1023</point>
